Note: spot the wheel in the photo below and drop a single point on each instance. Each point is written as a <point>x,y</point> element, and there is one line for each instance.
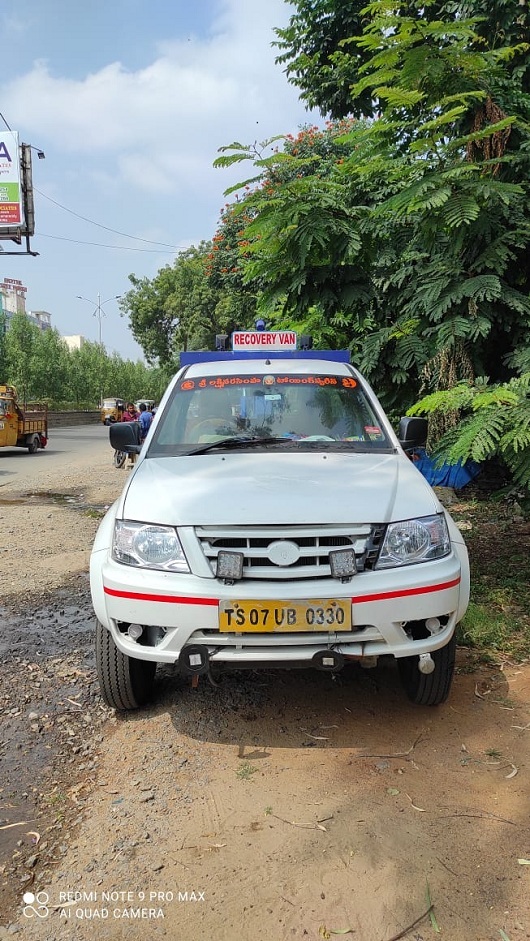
<point>34,444</point>
<point>119,458</point>
<point>125,683</point>
<point>429,689</point>
<point>107,422</point>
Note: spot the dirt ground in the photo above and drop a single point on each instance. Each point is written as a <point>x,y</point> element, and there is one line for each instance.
<point>275,806</point>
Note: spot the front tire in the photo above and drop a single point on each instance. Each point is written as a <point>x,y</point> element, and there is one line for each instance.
<point>429,689</point>
<point>125,682</point>
<point>119,458</point>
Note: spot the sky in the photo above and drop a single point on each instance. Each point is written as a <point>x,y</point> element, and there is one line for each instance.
<point>130,101</point>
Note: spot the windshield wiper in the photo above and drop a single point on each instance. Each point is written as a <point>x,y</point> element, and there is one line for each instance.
<point>246,441</point>
<point>241,441</point>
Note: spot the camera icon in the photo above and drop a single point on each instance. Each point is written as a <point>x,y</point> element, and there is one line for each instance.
<point>36,905</point>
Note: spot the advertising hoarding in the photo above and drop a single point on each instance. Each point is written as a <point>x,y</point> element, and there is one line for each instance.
<point>10,184</point>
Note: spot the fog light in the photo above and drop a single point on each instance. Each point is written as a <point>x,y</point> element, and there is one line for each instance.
<point>433,625</point>
<point>135,631</point>
<point>343,564</point>
<point>230,566</point>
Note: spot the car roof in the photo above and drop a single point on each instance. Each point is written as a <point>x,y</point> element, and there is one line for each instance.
<point>263,366</point>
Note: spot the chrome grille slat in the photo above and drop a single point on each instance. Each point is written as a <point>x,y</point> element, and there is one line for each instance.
<point>314,544</point>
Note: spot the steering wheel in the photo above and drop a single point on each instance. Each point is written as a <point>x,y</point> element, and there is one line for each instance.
<point>208,422</point>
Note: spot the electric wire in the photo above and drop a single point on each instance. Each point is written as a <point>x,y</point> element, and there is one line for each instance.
<point>106,227</point>
<point>123,248</point>
<point>174,248</point>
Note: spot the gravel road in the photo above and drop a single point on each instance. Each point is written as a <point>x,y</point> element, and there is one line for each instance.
<point>274,806</point>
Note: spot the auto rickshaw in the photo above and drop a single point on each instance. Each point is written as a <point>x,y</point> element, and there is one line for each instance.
<point>112,410</point>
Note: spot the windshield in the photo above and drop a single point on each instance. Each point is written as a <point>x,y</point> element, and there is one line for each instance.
<point>316,410</point>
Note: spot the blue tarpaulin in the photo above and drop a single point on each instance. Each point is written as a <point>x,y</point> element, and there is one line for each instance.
<point>445,475</point>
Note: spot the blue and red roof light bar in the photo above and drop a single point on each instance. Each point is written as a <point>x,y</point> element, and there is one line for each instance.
<point>263,345</point>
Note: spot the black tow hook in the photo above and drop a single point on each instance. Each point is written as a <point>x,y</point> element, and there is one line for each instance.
<point>194,660</point>
<point>328,660</point>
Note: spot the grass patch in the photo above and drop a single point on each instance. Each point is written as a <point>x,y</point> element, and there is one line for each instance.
<point>246,770</point>
<point>494,632</point>
<point>497,621</point>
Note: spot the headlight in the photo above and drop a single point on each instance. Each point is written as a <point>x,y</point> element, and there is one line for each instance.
<point>150,547</point>
<point>410,541</point>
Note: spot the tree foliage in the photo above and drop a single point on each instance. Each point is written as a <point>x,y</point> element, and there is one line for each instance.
<point>40,365</point>
<point>494,422</point>
<point>418,234</point>
<point>186,304</point>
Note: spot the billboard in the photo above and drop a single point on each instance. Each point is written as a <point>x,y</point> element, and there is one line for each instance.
<point>17,214</point>
<point>10,183</point>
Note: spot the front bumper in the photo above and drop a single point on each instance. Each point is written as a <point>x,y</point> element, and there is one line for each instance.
<point>178,610</point>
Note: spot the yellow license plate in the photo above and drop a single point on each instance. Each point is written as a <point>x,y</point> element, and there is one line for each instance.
<point>283,616</point>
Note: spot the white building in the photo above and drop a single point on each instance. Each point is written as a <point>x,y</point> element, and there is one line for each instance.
<point>75,342</point>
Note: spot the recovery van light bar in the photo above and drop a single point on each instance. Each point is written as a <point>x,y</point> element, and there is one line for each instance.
<point>275,344</point>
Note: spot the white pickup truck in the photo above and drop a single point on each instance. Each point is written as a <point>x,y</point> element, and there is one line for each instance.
<point>274,519</point>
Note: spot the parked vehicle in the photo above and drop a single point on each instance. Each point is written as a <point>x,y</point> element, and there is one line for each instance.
<point>112,410</point>
<point>25,427</point>
<point>149,403</point>
<point>274,519</point>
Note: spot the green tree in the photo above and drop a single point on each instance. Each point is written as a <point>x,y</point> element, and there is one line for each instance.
<point>50,367</point>
<point>494,421</point>
<point>419,237</point>
<point>323,61</point>
<point>21,340</point>
<point>175,310</point>
<point>3,353</point>
<point>87,370</point>
<point>311,48</point>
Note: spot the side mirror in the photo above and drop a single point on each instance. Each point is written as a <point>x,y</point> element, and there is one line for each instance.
<point>413,433</point>
<point>125,436</point>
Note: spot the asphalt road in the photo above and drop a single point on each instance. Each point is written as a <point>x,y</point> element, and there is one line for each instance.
<point>75,445</point>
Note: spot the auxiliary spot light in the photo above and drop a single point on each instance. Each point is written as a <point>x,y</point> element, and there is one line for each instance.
<point>230,566</point>
<point>343,564</point>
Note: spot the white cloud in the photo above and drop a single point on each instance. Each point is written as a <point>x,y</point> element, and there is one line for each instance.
<point>161,123</point>
<point>132,149</point>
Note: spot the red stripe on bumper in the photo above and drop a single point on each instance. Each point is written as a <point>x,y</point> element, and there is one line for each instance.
<point>384,595</point>
<point>168,599</point>
<point>380,596</point>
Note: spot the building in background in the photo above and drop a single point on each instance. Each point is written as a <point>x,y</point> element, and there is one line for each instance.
<point>13,301</point>
<point>75,342</point>
<point>41,318</point>
<point>13,296</point>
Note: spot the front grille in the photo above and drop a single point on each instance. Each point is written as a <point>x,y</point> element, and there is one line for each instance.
<point>314,545</point>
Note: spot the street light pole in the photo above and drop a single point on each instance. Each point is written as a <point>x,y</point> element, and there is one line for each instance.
<point>99,312</point>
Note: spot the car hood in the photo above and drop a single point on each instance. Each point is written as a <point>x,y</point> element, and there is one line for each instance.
<point>231,489</point>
